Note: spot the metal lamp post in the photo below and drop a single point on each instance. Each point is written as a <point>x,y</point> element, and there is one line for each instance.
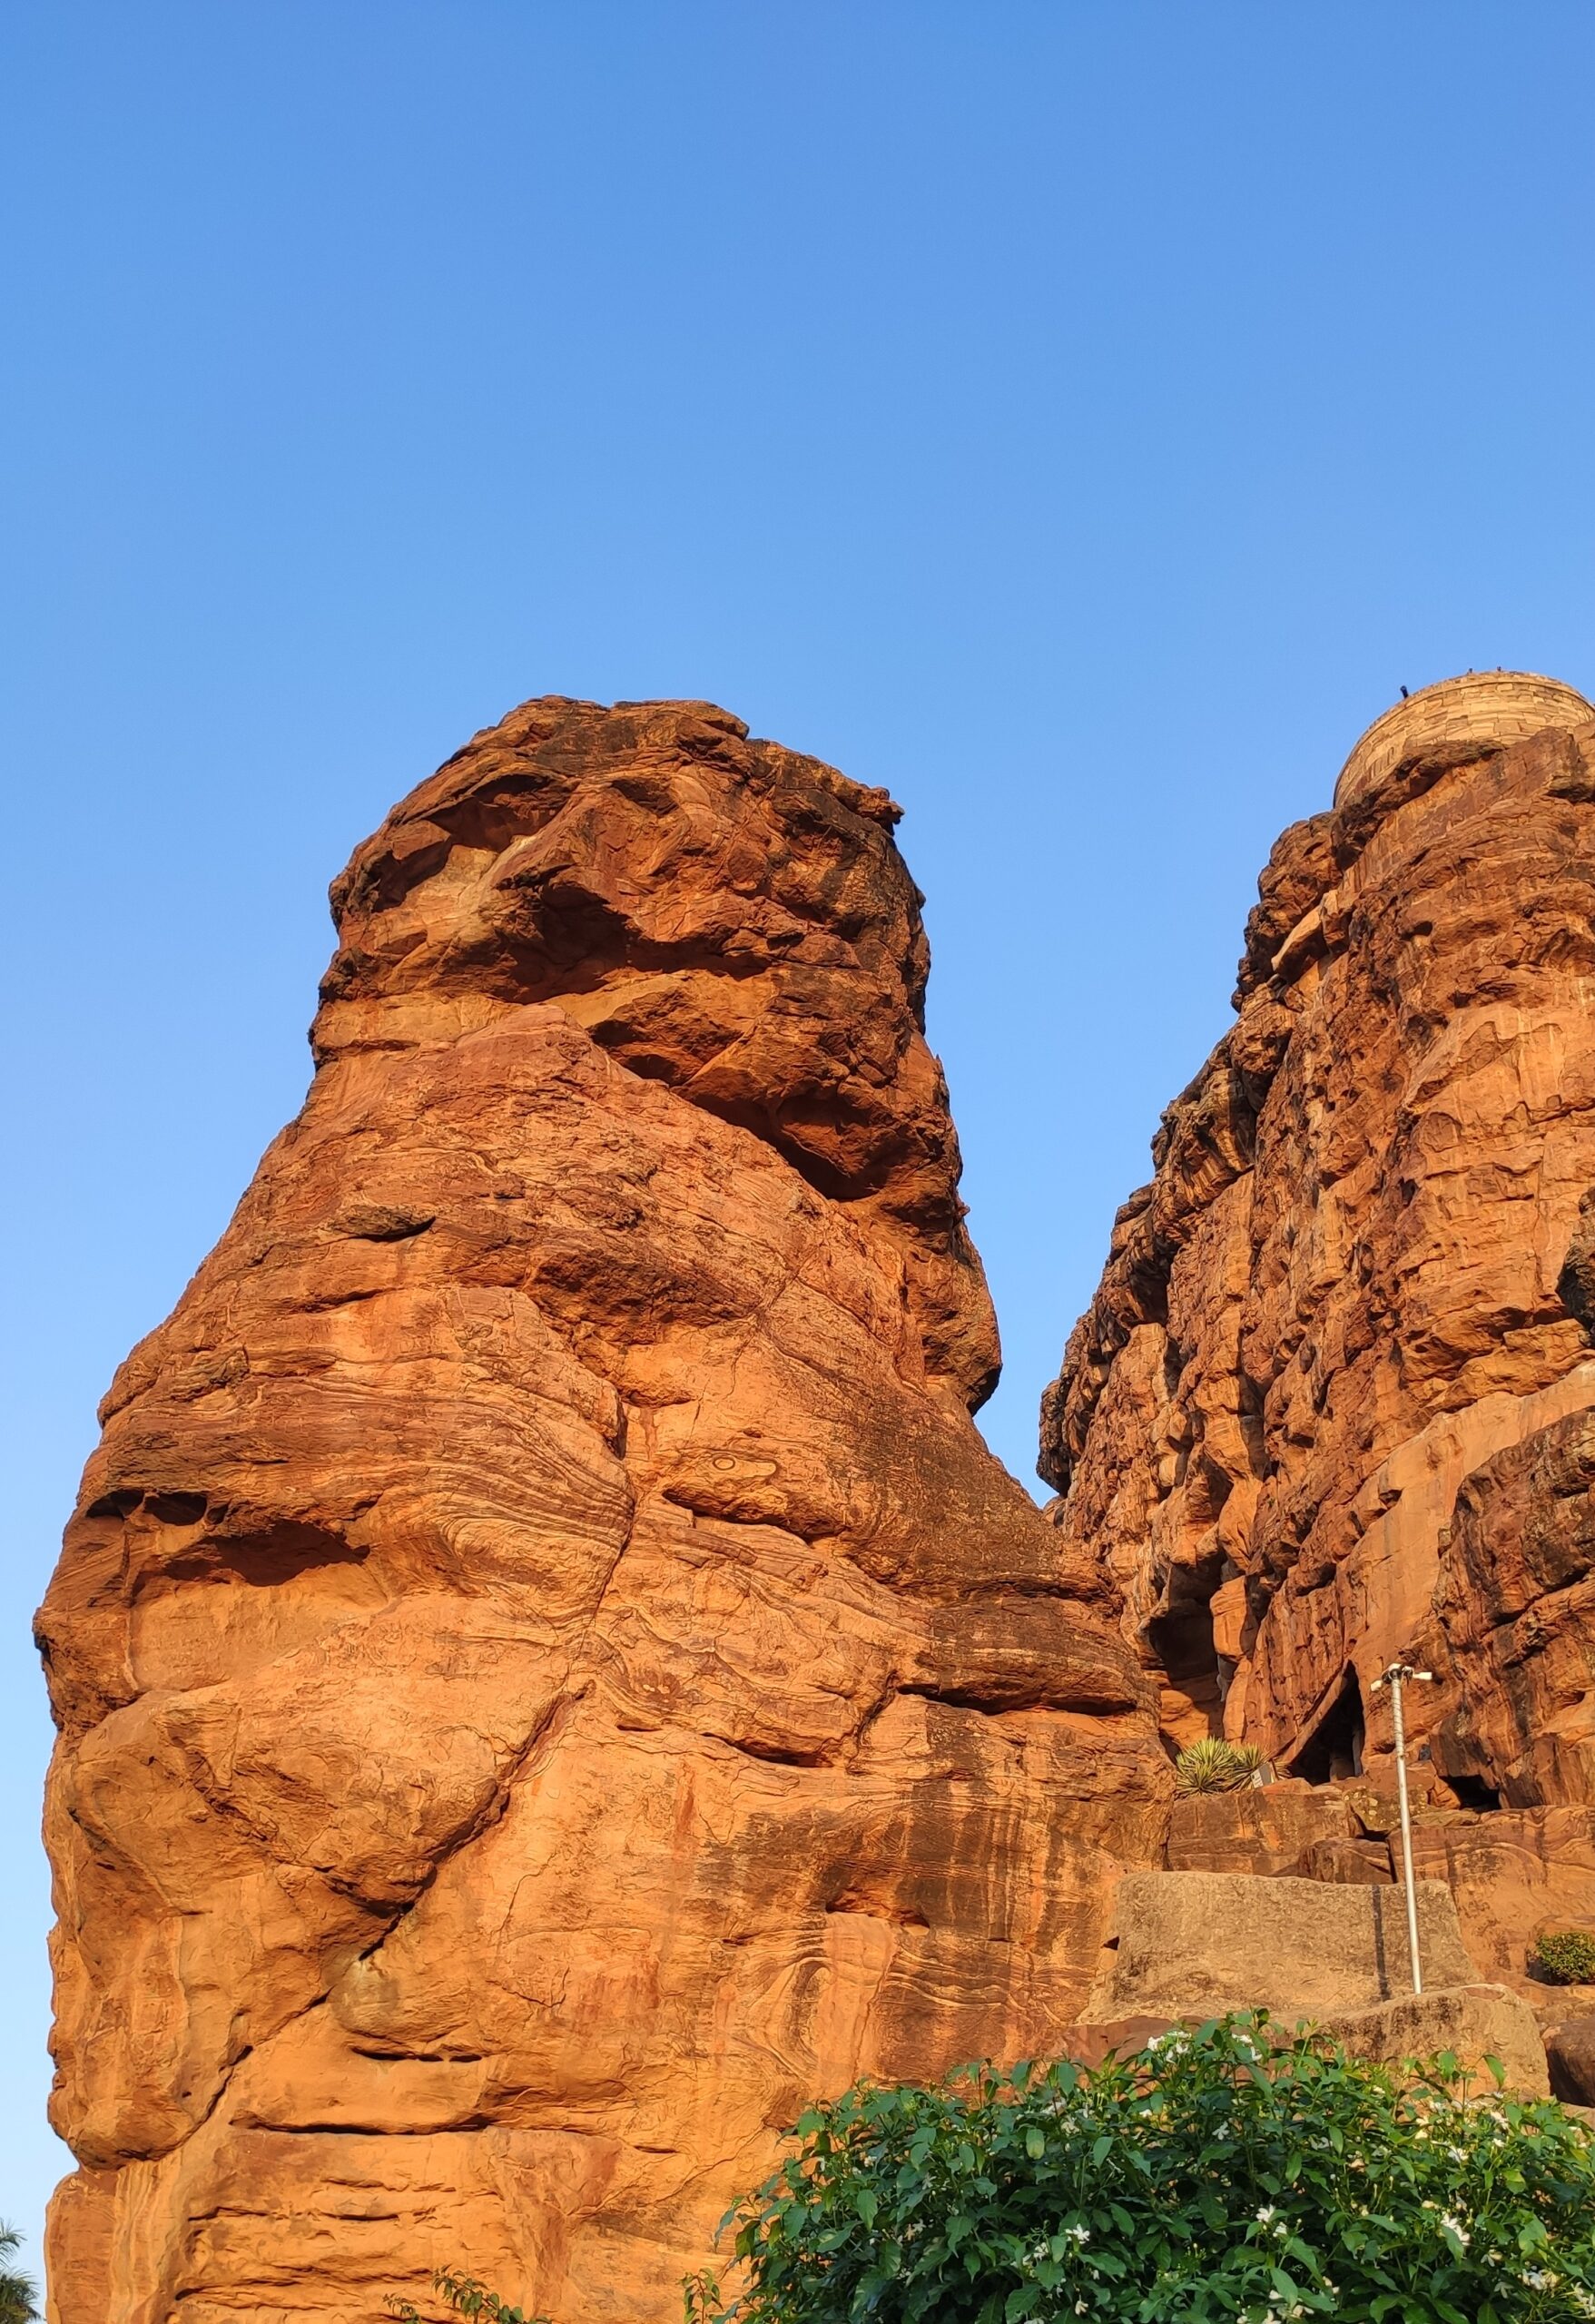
<point>1396,1679</point>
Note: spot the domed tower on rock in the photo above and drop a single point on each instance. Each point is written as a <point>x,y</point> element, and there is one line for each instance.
<point>1333,1401</point>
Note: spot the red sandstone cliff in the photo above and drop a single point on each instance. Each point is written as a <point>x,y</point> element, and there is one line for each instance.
<point>548,1676</point>
<point>1334,1399</point>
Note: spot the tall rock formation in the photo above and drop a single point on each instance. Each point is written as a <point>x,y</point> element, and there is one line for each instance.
<point>1334,1399</point>
<point>548,1676</point>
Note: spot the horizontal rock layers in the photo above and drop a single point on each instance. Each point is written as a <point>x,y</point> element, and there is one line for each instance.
<point>548,1676</point>
<point>1334,1399</point>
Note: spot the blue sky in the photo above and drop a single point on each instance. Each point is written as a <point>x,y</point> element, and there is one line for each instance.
<point>1082,419</point>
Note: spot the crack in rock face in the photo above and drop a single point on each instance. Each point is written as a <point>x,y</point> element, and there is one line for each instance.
<point>549,1679</point>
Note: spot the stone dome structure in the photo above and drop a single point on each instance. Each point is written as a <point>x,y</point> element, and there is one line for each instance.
<point>1488,707</point>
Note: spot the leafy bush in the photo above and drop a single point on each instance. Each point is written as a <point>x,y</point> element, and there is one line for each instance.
<point>467,2297</point>
<point>1213,1765</point>
<point>1565,1957</point>
<point>1213,2176</point>
<point>19,2295</point>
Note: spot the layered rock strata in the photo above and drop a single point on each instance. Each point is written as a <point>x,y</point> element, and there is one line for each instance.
<point>1334,1399</point>
<point>548,1676</point>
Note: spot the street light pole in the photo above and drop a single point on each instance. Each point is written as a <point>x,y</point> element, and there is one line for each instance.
<point>1395,1677</point>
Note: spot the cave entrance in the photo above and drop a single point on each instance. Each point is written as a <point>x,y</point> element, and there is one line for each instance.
<point>1182,1640</point>
<point>1334,1748</point>
<point>1472,1791</point>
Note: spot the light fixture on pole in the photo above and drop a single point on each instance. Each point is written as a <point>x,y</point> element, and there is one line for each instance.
<point>1396,1679</point>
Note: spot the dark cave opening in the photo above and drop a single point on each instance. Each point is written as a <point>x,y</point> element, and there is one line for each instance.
<point>1472,1791</point>
<point>1334,1748</point>
<point>1182,1640</point>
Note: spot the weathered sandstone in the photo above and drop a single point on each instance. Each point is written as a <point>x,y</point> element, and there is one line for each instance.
<point>1262,1830</point>
<point>1489,2030</point>
<point>549,1679</point>
<point>1334,1399</point>
<point>1182,1943</point>
<point>1570,2050</point>
<point>1186,1945</point>
<point>1511,1870</point>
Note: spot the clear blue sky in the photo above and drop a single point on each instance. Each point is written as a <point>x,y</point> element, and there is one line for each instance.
<point>1080,418</point>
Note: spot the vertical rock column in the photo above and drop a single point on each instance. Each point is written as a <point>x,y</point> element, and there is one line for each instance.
<point>548,1676</point>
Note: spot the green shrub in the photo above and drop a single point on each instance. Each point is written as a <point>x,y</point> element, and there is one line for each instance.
<point>467,2297</point>
<point>1565,1957</point>
<point>19,2295</point>
<point>1213,1765</point>
<point>1212,2176</point>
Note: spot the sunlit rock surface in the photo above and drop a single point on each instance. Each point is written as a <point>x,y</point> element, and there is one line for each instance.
<point>1334,1399</point>
<point>549,1679</point>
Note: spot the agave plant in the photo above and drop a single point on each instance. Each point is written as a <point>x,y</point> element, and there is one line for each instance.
<point>1213,1765</point>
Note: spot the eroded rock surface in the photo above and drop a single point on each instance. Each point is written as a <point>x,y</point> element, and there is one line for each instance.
<point>1334,1399</point>
<point>548,1676</point>
<point>1198,1943</point>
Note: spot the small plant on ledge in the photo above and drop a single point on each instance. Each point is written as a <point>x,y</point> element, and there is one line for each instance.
<point>1564,1956</point>
<point>1213,1765</point>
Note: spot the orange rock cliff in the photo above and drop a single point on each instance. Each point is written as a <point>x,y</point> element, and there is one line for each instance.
<point>549,1676</point>
<point>1333,1402</point>
<point>549,1679</point>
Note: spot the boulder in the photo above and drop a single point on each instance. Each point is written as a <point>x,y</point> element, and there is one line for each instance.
<point>1475,2022</point>
<point>1202,1943</point>
<point>1569,2046</point>
<point>1375,1814</point>
<point>1262,1829</point>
